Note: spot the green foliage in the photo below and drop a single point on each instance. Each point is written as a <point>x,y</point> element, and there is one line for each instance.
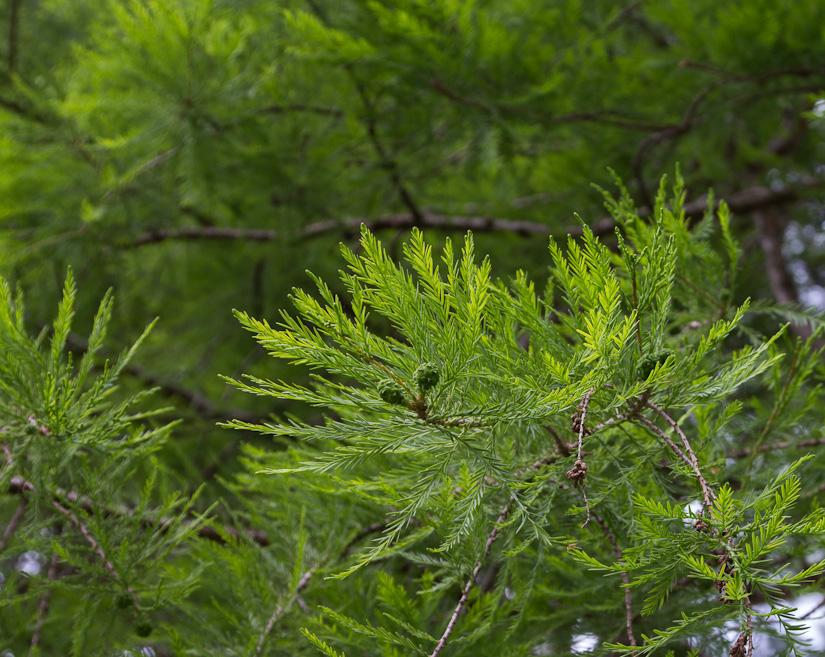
<point>449,414</point>
<point>611,341</point>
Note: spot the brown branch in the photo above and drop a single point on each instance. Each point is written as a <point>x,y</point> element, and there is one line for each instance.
<point>650,425</point>
<point>14,523</point>
<point>810,442</point>
<point>469,585</point>
<point>690,118</point>
<point>742,202</point>
<point>706,490</point>
<point>563,447</point>
<point>606,118</point>
<point>195,400</point>
<point>20,486</point>
<point>17,108</point>
<point>43,607</point>
<point>771,237</point>
<point>811,611</point>
<point>579,471</point>
<point>97,549</point>
<point>628,609</point>
<point>745,77</point>
<point>279,610</point>
<point>438,86</point>
<point>387,161</point>
<point>298,107</point>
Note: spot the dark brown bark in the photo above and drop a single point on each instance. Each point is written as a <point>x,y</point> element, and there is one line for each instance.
<point>742,202</point>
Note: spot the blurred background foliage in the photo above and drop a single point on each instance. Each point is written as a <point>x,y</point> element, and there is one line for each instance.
<point>199,155</point>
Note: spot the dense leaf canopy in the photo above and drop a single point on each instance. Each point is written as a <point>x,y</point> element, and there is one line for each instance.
<point>406,477</point>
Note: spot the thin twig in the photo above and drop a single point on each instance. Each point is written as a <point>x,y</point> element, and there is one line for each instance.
<point>650,425</point>
<point>305,579</point>
<point>625,579</point>
<point>707,492</point>
<point>810,442</point>
<point>469,585</point>
<point>563,447</point>
<point>195,400</point>
<point>14,523</point>
<point>96,548</point>
<point>43,608</point>
<point>20,486</point>
<point>387,161</point>
<point>810,612</point>
<point>279,610</point>
<point>579,471</point>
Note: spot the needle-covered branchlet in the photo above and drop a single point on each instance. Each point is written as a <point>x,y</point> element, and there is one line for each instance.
<point>304,581</point>
<point>470,582</point>
<point>282,607</point>
<point>97,549</point>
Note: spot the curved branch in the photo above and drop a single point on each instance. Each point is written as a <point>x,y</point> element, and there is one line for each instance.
<point>741,202</point>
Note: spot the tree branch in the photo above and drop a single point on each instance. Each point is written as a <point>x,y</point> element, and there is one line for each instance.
<point>706,490</point>
<point>628,609</point>
<point>195,400</point>
<point>810,442</point>
<point>579,471</point>
<point>469,585</point>
<point>43,607</point>
<point>14,523</point>
<point>20,486</point>
<point>306,577</point>
<point>706,493</point>
<point>98,550</point>
<point>742,202</point>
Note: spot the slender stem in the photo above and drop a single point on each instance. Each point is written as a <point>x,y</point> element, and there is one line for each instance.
<point>14,523</point>
<point>96,548</point>
<point>740,203</point>
<point>579,471</point>
<point>810,612</point>
<point>694,462</point>
<point>304,581</point>
<point>20,486</point>
<point>706,492</point>
<point>583,407</point>
<point>43,608</point>
<point>469,585</point>
<point>625,579</point>
<point>282,607</point>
